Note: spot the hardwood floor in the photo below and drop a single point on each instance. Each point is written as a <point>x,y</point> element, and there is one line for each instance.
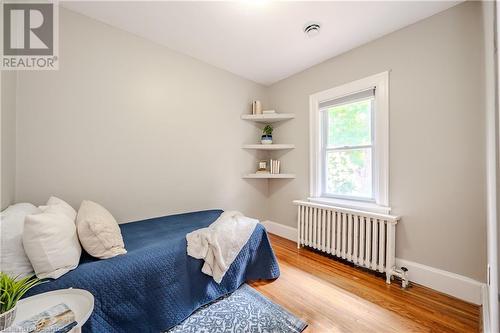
<point>333,296</point>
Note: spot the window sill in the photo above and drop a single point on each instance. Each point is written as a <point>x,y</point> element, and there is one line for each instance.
<point>352,204</point>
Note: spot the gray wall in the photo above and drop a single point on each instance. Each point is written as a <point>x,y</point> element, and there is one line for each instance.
<point>437,135</point>
<point>146,131</point>
<point>134,126</point>
<point>8,138</point>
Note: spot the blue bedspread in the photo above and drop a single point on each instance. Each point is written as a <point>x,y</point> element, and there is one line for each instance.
<point>156,285</point>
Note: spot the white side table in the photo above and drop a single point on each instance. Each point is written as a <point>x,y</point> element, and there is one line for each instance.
<point>80,301</point>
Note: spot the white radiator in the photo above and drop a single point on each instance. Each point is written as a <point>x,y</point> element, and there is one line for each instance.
<point>366,239</point>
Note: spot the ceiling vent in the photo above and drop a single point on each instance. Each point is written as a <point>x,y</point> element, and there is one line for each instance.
<point>312,29</point>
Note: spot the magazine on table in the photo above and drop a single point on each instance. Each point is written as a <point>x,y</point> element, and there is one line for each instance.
<point>57,319</point>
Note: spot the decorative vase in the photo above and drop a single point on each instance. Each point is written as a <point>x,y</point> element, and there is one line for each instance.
<point>7,318</point>
<point>266,139</point>
<point>256,107</point>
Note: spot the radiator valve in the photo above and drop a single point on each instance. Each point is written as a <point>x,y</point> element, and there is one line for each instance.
<point>402,273</point>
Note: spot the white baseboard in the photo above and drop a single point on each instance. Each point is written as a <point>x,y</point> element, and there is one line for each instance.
<point>485,310</point>
<point>446,282</point>
<point>281,230</point>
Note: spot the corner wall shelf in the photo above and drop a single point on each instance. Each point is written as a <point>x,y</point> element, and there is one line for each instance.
<point>274,146</point>
<point>269,176</point>
<point>268,118</point>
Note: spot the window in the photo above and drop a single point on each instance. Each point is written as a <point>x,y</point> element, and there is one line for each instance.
<point>349,144</point>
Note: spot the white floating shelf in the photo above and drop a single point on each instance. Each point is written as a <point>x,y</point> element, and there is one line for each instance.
<point>269,176</point>
<point>268,118</point>
<point>274,146</point>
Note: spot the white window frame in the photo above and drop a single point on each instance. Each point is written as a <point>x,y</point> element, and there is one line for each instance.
<point>380,151</point>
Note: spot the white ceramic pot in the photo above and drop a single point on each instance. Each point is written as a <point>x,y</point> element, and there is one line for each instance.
<point>266,139</point>
<point>7,318</point>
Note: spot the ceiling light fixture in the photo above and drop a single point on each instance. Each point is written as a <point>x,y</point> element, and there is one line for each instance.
<point>311,29</point>
<point>256,3</point>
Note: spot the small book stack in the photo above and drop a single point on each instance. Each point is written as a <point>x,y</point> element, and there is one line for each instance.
<point>57,319</point>
<point>269,112</point>
<point>274,166</point>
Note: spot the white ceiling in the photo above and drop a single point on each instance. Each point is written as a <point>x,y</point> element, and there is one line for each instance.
<point>259,40</point>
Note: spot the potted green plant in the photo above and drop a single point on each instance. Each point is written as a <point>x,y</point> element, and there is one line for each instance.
<point>267,135</point>
<point>11,290</point>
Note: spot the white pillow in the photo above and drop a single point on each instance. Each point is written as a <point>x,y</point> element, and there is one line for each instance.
<point>51,242</point>
<point>13,258</point>
<point>62,206</point>
<point>98,231</point>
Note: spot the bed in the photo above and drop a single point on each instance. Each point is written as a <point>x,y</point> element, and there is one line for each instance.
<point>156,285</point>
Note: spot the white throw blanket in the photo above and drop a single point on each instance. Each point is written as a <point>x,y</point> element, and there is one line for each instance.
<point>221,242</point>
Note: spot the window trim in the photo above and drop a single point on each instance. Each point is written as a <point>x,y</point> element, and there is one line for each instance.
<point>380,150</point>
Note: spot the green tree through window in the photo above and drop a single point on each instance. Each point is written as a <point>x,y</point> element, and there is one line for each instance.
<point>349,150</point>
